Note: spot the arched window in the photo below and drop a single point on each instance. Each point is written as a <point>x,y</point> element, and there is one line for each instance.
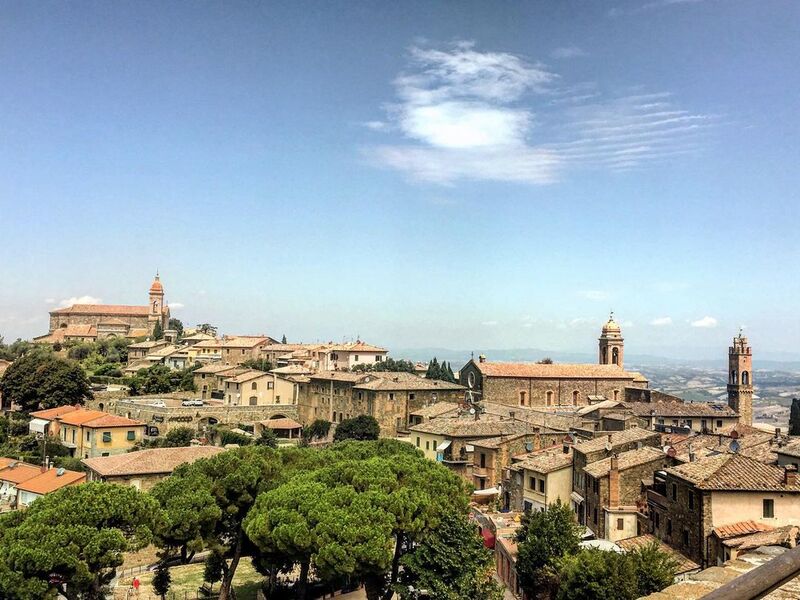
<point>576,396</point>
<point>615,356</point>
<point>549,397</point>
<point>616,395</point>
<point>253,400</point>
<point>254,386</point>
<point>605,355</point>
<point>734,377</point>
<point>745,378</point>
<point>522,398</point>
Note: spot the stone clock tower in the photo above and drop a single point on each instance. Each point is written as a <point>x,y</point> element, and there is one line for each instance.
<point>740,379</point>
<point>612,346</point>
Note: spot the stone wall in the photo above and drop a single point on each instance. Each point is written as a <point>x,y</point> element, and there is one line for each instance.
<point>507,390</point>
<point>135,322</point>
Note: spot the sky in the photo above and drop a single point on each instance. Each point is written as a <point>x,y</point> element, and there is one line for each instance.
<point>447,174</point>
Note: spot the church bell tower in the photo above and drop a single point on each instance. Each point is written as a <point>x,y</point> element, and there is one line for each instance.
<point>740,379</point>
<point>157,312</point>
<point>612,346</point>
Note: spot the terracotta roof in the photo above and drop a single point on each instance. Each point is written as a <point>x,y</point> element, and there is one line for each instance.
<point>741,528</point>
<point>553,459</point>
<point>625,460</point>
<point>214,369</point>
<point>471,428</point>
<point>680,409</point>
<point>113,321</point>
<point>103,309</point>
<point>635,434</point>
<point>685,564</point>
<point>434,410</point>
<point>96,418</point>
<point>496,442</point>
<point>733,472</point>
<point>50,481</point>
<point>247,376</point>
<point>790,449</point>
<point>405,381</point>
<point>585,410</point>
<point>292,370</point>
<point>19,472</point>
<point>553,371</point>
<point>357,346</point>
<point>340,376</point>
<point>4,462</point>
<point>237,341</point>
<point>52,413</point>
<point>148,344</point>
<point>153,460</point>
<point>780,536</point>
<point>282,423</point>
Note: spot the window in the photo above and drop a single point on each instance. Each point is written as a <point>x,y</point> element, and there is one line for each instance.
<point>411,396</point>
<point>674,492</point>
<point>434,445</point>
<point>417,441</point>
<point>616,395</point>
<point>522,398</point>
<point>769,508</point>
<point>596,485</point>
<point>131,436</point>
<point>88,435</point>
<point>427,445</point>
<point>541,486</point>
<point>685,537</point>
<point>620,524</point>
<point>253,400</point>
<point>356,357</point>
<point>270,385</point>
<point>532,483</point>
<point>377,359</point>
<point>106,437</point>
<point>669,526</point>
<point>73,436</point>
<point>658,521</point>
<point>334,416</point>
<point>254,386</point>
<point>691,500</point>
<point>242,350</point>
<point>483,460</point>
<point>594,516</point>
<point>719,422</point>
<point>391,395</point>
<point>576,396</point>
<point>549,397</point>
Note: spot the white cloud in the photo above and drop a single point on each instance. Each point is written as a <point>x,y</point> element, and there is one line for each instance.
<point>176,305</point>
<point>595,295</point>
<point>464,114</point>
<point>661,321</point>
<point>80,300</point>
<point>567,52</point>
<point>706,322</point>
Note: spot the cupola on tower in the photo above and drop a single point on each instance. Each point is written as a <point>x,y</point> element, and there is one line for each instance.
<point>740,379</point>
<point>158,312</point>
<point>612,345</point>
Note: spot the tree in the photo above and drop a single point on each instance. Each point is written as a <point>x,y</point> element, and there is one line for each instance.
<point>158,331</point>
<point>234,479</point>
<point>362,427</point>
<point>794,417</point>
<point>212,571</point>
<point>267,438</point>
<point>162,580</point>
<point>40,379</point>
<point>234,437</point>
<point>179,437</point>
<point>434,370</point>
<point>545,361</point>
<point>654,568</point>
<point>450,562</point>
<point>14,350</point>
<point>283,339</point>
<point>207,328</point>
<point>594,574</point>
<point>188,515</point>
<point>70,542</point>
<point>544,539</point>
<point>259,364</point>
<point>318,429</point>
<point>177,325</point>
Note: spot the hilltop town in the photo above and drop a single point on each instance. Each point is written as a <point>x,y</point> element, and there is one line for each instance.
<point>635,466</point>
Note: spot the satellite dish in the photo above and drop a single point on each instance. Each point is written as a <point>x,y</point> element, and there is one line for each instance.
<point>734,446</point>
<point>60,472</point>
<point>472,411</point>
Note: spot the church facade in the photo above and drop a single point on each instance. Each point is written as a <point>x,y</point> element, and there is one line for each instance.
<point>89,322</point>
<point>553,385</point>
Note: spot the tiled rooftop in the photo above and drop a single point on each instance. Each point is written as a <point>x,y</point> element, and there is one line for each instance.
<point>151,461</point>
<point>626,460</point>
<point>733,472</point>
<point>552,459</point>
<point>635,434</point>
<point>732,530</point>
<point>551,371</point>
<point>103,309</point>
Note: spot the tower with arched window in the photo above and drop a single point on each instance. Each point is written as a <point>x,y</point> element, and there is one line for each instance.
<point>158,313</point>
<point>612,345</point>
<point>740,379</point>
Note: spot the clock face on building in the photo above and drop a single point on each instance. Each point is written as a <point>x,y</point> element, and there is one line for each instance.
<point>471,379</point>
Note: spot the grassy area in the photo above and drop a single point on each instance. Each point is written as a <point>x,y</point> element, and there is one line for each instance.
<point>187,578</point>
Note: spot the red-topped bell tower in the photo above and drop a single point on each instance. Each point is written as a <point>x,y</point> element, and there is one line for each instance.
<point>740,379</point>
<point>157,312</point>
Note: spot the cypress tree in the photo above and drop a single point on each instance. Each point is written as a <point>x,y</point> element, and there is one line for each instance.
<point>794,417</point>
<point>158,331</point>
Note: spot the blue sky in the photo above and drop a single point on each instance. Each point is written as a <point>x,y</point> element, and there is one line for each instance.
<point>466,175</point>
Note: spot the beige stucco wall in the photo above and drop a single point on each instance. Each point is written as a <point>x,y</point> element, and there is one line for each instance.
<point>732,507</point>
<point>558,485</point>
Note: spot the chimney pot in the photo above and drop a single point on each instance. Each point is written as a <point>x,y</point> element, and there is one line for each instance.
<point>789,475</point>
<point>482,358</point>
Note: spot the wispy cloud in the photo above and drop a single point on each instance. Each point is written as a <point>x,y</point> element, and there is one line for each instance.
<point>706,322</point>
<point>653,5</point>
<point>80,300</point>
<point>176,305</point>
<point>463,114</point>
<point>661,321</point>
<point>595,295</point>
<point>567,52</point>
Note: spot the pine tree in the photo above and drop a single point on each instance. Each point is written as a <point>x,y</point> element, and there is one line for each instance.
<point>158,331</point>
<point>451,376</point>
<point>283,339</point>
<point>162,580</point>
<point>434,370</point>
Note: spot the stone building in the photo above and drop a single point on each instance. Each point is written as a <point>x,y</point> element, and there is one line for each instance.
<point>492,455</point>
<point>687,502</point>
<point>231,349</point>
<point>88,322</point>
<point>740,379</point>
<point>554,385</point>
<point>545,477</point>
<point>389,397</point>
<point>145,468</point>
<point>613,491</point>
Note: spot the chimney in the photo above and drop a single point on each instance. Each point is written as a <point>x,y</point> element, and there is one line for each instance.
<point>613,483</point>
<point>609,438</point>
<point>790,475</point>
<point>482,358</point>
